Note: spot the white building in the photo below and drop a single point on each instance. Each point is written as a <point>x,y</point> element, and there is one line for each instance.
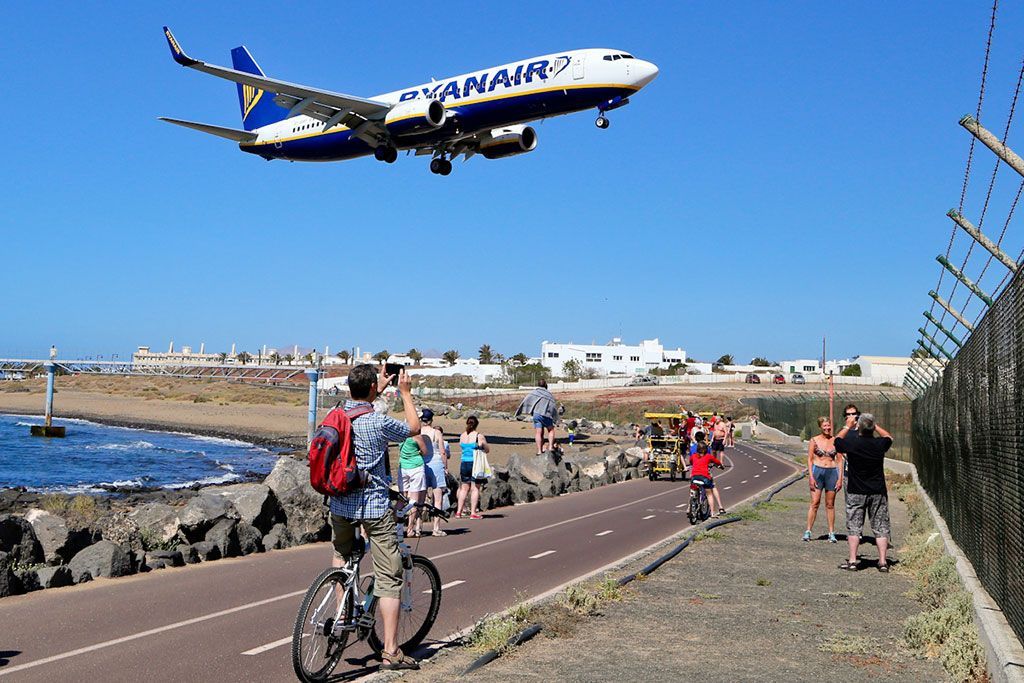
<point>802,365</point>
<point>613,358</point>
<point>884,368</point>
<point>145,356</point>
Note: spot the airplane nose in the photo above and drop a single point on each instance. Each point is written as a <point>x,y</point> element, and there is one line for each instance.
<point>645,72</point>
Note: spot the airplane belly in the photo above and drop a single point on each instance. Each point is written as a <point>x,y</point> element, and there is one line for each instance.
<point>336,146</point>
<point>532,106</point>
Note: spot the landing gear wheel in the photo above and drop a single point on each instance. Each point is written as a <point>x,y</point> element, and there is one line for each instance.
<point>385,153</point>
<point>446,167</point>
<point>602,122</point>
<point>440,166</point>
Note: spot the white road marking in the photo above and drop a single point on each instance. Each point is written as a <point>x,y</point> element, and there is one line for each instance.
<point>543,554</point>
<point>450,584</point>
<point>682,505</point>
<point>604,533</point>
<point>269,646</point>
<point>142,634</point>
<point>648,517</point>
<point>744,481</point>
<point>727,488</point>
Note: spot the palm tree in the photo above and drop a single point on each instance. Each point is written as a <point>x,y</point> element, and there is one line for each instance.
<point>288,358</point>
<point>450,356</point>
<point>344,356</point>
<point>486,355</point>
<point>519,358</point>
<point>382,356</point>
<point>499,358</point>
<point>308,358</point>
<point>244,357</point>
<point>222,357</point>
<point>275,358</point>
<point>415,355</point>
<point>726,359</point>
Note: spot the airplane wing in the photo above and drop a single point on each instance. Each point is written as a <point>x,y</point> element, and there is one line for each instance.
<point>330,107</point>
<point>219,131</point>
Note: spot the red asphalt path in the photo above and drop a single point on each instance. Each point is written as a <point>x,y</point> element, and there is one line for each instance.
<point>230,620</point>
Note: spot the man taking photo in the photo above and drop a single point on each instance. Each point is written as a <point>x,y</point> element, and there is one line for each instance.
<point>866,492</point>
<point>368,506</point>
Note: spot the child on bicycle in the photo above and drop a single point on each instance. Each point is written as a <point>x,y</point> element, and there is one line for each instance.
<point>700,473</point>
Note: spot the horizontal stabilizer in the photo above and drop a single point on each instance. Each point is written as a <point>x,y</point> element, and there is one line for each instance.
<point>219,131</point>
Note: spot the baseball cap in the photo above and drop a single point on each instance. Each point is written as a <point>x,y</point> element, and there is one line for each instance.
<point>427,414</point>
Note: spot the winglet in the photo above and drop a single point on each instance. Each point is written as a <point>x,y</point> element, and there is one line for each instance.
<point>179,55</point>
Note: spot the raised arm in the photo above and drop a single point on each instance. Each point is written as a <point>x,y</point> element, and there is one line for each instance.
<point>412,416</point>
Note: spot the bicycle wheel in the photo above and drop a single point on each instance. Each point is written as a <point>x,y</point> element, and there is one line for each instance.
<point>420,602</point>
<point>705,508</point>
<point>316,650</point>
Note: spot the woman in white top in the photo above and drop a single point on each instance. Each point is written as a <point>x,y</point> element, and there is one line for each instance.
<point>436,465</point>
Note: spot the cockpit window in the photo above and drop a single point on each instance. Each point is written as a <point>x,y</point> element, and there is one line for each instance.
<point>625,56</point>
<point>607,58</point>
<point>616,56</point>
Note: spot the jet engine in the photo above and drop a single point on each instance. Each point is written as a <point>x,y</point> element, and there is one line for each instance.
<point>415,116</point>
<point>508,141</point>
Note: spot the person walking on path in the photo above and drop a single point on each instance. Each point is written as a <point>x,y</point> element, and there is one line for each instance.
<point>413,482</point>
<point>730,434</point>
<point>541,405</point>
<point>367,507</point>
<point>718,436</point>
<point>470,441</point>
<point>824,470</point>
<point>436,466</point>
<point>866,491</point>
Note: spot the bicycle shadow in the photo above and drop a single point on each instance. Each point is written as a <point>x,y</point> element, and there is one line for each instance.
<point>6,655</point>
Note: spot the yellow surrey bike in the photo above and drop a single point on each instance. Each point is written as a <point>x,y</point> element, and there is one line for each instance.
<point>666,445</point>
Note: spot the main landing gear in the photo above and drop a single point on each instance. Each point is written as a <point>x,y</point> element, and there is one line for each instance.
<point>602,122</point>
<point>440,166</point>
<point>385,153</point>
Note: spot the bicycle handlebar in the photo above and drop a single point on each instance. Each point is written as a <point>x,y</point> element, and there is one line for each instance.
<point>399,497</point>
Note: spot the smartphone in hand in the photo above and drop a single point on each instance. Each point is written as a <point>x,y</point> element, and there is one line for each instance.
<point>393,369</point>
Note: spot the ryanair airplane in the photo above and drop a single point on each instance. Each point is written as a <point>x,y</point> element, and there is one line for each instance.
<point>484,112</point>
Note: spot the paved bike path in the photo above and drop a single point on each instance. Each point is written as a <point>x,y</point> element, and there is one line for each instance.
<point>196,622</point>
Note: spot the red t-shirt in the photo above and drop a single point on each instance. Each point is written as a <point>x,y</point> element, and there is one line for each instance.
<point>700,464</point>
<point>690,422</point>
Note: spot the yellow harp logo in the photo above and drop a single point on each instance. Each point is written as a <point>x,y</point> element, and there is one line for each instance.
<point>250,96</point>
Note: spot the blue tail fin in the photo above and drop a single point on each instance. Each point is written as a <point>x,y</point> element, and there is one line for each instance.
<point>258,107</point>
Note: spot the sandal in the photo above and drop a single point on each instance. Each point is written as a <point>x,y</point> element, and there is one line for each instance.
<point>884,568</point>
<point>439,532</point>
<point>413,534</point>
<point>397,662</point>
<point>850,566</point>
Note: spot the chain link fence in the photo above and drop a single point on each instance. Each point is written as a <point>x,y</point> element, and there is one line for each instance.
<point>968,444</point>
<point>798,415</point>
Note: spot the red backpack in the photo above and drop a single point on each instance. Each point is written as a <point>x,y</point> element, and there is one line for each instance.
<point>332,453</point>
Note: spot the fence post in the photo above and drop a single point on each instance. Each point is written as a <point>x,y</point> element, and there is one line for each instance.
<point>949,309</point>
<point>313,375</point>
<point>980,238</point>
<point>935,343</point>
<point>946,332</point>
<point>993,143</point>
<point>967,282</point>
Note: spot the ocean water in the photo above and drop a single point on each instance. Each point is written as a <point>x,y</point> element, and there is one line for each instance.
<point>94,456</point>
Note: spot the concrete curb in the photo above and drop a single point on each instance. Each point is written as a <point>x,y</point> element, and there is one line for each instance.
<point>1003,650</point>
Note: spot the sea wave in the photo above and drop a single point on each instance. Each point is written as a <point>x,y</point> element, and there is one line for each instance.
<point>133,446</point>
<point>230,476</point>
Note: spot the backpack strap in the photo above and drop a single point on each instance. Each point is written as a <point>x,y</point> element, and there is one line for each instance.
<point>358,411</point>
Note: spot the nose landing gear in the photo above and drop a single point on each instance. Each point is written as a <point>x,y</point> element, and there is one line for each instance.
<point>602,122</point>
<point>385,153</point>
<point>440,166</point>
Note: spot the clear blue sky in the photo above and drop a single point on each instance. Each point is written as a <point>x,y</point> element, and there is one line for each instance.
<point>786,155</point>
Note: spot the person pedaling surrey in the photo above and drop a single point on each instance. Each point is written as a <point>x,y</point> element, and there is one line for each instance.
<point>825,472</point>
<point>470,441</point>
<point>368,506</point>
<point>436,466</point>
<point>700,474</point>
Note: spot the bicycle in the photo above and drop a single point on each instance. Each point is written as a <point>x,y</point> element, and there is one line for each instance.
<point>340,605</point>
<point>700,507</point>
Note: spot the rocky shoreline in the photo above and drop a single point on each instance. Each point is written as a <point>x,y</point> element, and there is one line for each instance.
<point>47,541</point>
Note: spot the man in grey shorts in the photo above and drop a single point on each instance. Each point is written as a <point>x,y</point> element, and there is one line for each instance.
<point>865,485</point>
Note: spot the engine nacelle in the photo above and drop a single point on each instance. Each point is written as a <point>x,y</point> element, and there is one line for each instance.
<point>508,141</point>
<point>415,116</point>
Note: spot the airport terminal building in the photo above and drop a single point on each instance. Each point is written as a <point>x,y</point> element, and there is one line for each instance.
<point>613,358</point>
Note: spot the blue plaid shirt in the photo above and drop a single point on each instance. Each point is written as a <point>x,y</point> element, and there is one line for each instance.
<point>371,433</point>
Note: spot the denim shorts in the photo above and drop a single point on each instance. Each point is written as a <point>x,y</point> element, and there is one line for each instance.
<point>543,422</point>
<point>466,473</point>
<point>825,478</point>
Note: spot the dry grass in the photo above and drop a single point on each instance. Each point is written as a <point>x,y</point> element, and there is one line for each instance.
<point>167,388</point>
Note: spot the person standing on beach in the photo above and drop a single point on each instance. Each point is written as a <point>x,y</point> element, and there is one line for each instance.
<point>541,405</point>
<point>367,507</point>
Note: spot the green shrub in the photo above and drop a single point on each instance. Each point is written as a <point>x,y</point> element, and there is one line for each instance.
<point>936,582</point>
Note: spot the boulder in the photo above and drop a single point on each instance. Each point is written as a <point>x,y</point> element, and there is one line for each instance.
<point>59,543</point>
<point>105,558</point>
<point>634,456</point>
<point>28,579</point>
<point>501,473</point>
<point>202,512</point>
<point>19,541</point>
<point>584,483</point>
<point>531,470</point>
<point>9,584</point>
<point>157,522</point>
<point>249,538</point>
<point>188,553</point>
<point>278,537</point>
<point>118,527</point>
<point>594,469</point>
<point>304,509</point>
<point>631,473</point>
<point>206,550</point>
<point>496,493</point>
<point>54,577</point>
<point>523,491</point>
<point>170,558</point>
<point>149,564</point>
<point>255,503</point>
<point>223,535</point>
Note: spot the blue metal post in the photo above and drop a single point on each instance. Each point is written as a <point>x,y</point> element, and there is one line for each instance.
<point>51,370</point>
<point>313,375</point>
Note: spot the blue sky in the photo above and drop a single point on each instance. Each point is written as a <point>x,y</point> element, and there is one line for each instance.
<point>792,162</point>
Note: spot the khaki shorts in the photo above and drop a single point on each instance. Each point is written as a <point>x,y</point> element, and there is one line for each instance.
<point>387,558</point>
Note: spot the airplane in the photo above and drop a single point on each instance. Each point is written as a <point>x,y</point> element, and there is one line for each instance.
<point>484,112</point>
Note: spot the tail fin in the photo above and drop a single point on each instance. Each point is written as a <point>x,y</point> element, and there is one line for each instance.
<point>257,106</point>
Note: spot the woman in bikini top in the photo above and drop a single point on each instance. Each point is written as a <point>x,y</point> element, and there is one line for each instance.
<point>824,477</point>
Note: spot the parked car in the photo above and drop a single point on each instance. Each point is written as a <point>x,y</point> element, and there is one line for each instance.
<point>779,379</point>
<point>798,378</point>
<point>752,379</point>
<point>643,381</point>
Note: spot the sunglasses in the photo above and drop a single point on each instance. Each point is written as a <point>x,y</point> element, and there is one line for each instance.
<point>852,414</point>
